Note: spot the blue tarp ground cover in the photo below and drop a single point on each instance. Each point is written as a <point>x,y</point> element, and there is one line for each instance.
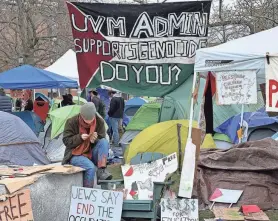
<point>253,119</point>
<point>28,77</point>
<point>32,120</point>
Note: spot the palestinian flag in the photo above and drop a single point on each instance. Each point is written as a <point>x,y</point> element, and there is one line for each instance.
<point>139,49</point>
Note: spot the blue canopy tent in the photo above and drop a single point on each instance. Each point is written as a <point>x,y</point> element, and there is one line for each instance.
<point>28,77</point>
<point>32,120</point>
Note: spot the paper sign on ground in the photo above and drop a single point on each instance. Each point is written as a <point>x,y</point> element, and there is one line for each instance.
<point>95,204</point>
<point>179,209</point>
<point>138,179</point>
<point>188,170</point>
<point>259,216</point>
<point>236,87</point>
<point>271,78</point>
<point>225,196</point>
<point>17,207</point>
<point>231,214</point>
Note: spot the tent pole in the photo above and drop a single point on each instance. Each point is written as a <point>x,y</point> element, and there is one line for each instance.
<point>241,122</point>
<point>79,94</point>
<point>192,106</point>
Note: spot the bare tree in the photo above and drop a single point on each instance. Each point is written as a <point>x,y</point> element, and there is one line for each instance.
<point>39,30</point>
<point>33,30</point>
<point>243,18</point>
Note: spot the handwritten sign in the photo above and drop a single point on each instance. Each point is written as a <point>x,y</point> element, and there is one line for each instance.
<point>95,204</point>
<point>179,210</point>
<point>235,87</point>
<point>139,178</point>
<point>17,207</point>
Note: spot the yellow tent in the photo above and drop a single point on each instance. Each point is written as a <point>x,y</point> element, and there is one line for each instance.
<point>159,138</point>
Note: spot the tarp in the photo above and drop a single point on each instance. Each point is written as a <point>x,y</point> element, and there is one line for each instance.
<point>253,119</point>
<point>32,120</point>
<point>18,143</point>
<point>161,138</point>
<point>240,54</point>
<point>28,77</point>
<point>146,116</point>
<point>66,66</point>
<point>251,167</point>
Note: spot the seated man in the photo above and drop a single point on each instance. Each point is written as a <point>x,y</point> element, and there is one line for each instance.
<point>86,146</point>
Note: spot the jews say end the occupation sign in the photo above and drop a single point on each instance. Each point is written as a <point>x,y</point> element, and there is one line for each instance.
<point>95,205</point>
<point>140,49</point>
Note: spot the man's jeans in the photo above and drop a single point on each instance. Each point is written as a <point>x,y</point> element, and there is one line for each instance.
<point>99,155</point>
<point>115,127</point>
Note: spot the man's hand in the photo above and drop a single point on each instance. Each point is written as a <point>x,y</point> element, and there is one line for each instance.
<point>85,136</point>
<point>93,137</point>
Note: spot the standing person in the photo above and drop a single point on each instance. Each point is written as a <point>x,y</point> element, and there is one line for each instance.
<point>65,101</point>
<point>116,114</point>
<point>86,146</point>
<point>70,100</point>
<point>100,106</point>
<point>5,102</point>
<point>29,106</point>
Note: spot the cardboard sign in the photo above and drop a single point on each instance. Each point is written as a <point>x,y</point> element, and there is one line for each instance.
<point>179,209</point>
<point>138,179</point>
<point>259,216</point>
<point>95,204</point>
<point>225,196</point>
<point>231,214</point>
<point>235,87</point>
<point>17,207</point>
<point>188,170</point>
<point>271,77</point>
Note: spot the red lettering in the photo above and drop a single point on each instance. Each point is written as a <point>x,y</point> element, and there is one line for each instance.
<point>78,208</point>
<point>273,88</point>
<point>87,209</point>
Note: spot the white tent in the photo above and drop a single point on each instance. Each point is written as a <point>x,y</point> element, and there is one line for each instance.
<point>247,53</point>
<point>66,66</point>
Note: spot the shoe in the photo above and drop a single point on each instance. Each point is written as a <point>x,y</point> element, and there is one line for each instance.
<point>104,174</point>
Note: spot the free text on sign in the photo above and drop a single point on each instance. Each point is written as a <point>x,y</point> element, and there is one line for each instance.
<point>17,207</point>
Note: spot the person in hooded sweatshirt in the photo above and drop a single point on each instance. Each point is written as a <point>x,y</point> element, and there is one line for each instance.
<point>5,102</point>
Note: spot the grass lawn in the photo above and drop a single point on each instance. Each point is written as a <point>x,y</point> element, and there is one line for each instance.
<point>117,174</point>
